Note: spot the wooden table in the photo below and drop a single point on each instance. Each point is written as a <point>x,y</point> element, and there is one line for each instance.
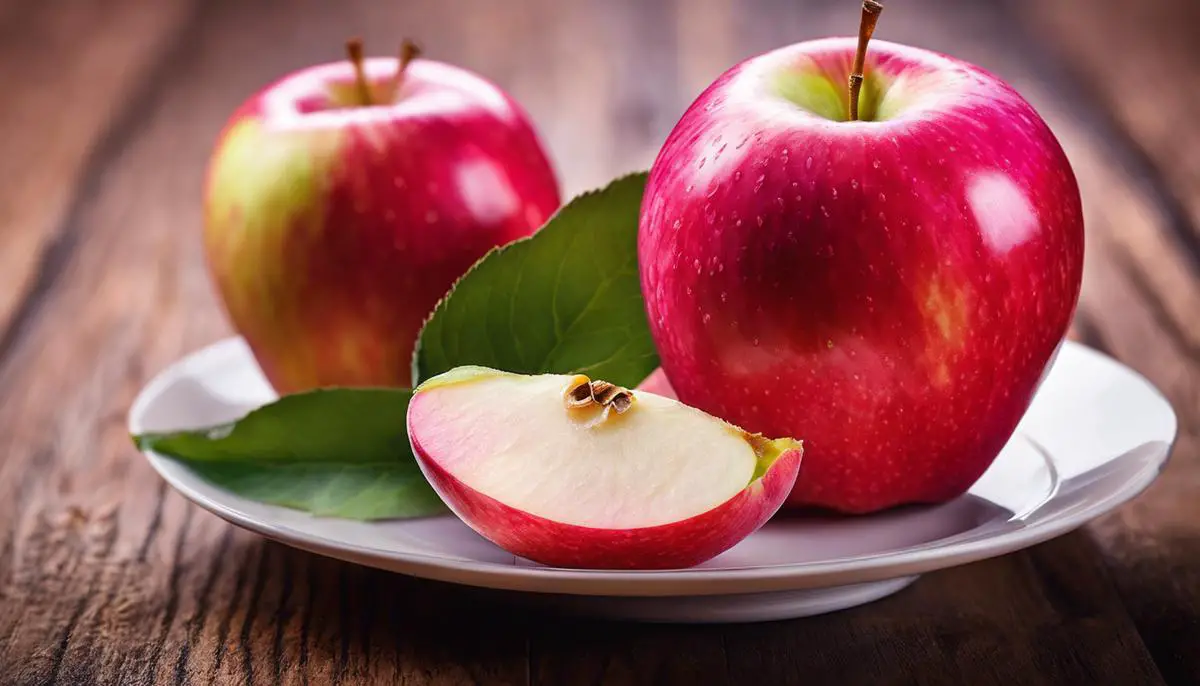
<point>108,110</point>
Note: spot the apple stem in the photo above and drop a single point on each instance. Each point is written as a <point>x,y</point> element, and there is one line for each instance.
<point>409,51</point>
<point>866,27</point>
<point>354,50</point>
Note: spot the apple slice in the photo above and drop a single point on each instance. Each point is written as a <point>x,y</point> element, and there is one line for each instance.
<point>570,472</point>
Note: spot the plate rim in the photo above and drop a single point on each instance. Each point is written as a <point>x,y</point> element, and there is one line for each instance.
<point>892,564</point>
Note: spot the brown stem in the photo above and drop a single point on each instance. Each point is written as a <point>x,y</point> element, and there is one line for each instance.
<point>866,27</point>
<point>409,51</point>
<point>354,50</point>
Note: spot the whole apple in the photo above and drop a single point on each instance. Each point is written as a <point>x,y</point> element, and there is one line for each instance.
<point>341,205</point>
<point>891,290</point>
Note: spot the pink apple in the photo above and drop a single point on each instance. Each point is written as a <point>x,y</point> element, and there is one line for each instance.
<point>333,225</point>
<point>891,290</point>
<point>571,472</point>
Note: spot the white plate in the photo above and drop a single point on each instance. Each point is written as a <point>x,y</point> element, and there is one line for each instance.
<point>1096,436</point>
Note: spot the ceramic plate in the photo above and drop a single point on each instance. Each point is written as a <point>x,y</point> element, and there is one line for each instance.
<point>1096,435</point>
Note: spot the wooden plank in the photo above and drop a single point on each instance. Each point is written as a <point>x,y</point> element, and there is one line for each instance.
<point>67,73</point>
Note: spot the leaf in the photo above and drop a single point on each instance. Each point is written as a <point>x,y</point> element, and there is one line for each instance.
<point>333,452</point>
<point>566,299</point>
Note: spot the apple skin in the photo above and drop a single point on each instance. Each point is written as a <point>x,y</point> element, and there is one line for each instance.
<point>891,292</point>
<point>332,229</point>
<point>676,545</point>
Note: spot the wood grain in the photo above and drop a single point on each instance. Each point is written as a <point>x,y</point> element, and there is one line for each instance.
<point>107,576</point>
<point>70,71</point>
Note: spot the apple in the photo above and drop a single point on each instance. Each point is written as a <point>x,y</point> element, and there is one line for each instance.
<point>571,472</point>
<point>892,288</point>
<point>344,200</point>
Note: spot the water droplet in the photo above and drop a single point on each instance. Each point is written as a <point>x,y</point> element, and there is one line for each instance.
<point>689,188</point>
<point>755,342</point>
<point>854,183</point>
<point>713,190</point>
<point>882,197</point>
<point>760,220</point>
<point>876,164</point>
<point>707,318</point>
<point>724,296</point>
<point>829,344</point>
<point>696,264</point>
<point>824,211</point>
<point>678,223</point>
<point>738,223</point>
<point>834,193</point>
<point>737,176</point>
<point>689,290</point>
<point>720,267</point>
<point>808,162</point>
<point>759,183</point>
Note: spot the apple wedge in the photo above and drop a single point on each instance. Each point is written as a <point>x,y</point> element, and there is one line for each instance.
<point>571,472</point>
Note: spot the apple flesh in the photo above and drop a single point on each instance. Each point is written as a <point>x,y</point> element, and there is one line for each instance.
<point>333,227</point>
<point>575,473</point>
<point>893,289</point>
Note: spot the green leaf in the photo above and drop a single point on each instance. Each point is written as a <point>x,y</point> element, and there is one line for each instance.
<point>334,452</point>
<point>564,300</point>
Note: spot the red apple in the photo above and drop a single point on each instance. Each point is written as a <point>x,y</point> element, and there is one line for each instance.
<point>891,289</point>
<point>336,219</point>
<point>571,472</point>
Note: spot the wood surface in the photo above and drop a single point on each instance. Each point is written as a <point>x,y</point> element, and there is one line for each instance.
<point>108,113</point>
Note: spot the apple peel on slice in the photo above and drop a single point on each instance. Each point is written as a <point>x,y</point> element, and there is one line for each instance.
<point>570,472</point>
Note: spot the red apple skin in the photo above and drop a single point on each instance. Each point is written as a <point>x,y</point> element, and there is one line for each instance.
<point>677,545</point>
<point>331,232</point>
<point>890,292</point>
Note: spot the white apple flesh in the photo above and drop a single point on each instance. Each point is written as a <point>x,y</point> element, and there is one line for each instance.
<point>636,482</point>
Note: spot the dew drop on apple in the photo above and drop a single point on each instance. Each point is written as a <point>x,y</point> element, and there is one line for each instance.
<point>724,296</point>
<point>737,176</point>
<point>882,197</point>
<point>759,219</point>
<point>689,189</point>
<point>876,164</point>
<point>808,162</point>
<point>759,183</point>
<point>834,191</point>
<point>696,264</point>
<point>707,318</point>
<point>676,224</point>
<point>853,183</point>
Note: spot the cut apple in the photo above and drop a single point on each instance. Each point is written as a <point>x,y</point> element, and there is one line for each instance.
<point>571,472</point>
